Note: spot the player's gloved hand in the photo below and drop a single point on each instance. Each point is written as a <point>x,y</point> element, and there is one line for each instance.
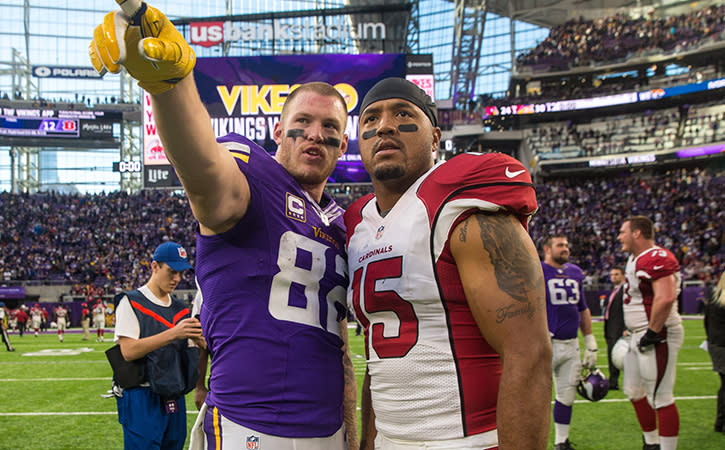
<point>590,352</point>
<point>148,45</point>
<point>649,339</point>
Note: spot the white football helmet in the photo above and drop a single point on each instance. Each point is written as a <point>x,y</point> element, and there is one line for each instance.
<point>620,349</point>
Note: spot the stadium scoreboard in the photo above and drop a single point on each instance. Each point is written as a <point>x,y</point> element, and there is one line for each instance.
<point>14,126</point>
<point>55,127</point>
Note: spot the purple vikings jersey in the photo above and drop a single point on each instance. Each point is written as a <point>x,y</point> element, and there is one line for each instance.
<point>564,299</point>
<point>274,293</point>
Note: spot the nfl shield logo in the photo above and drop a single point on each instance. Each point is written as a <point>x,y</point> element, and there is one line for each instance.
<point>380,232</point>
<point>252,442</point>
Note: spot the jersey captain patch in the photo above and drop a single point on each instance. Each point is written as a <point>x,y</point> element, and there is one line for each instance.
<point>295,208</point>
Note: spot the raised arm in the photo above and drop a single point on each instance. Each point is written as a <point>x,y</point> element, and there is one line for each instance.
<point>218,192</point>
<point>153,52</point>
<point>503,282</point>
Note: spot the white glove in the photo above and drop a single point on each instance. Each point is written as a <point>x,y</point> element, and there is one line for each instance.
<point>590,352</point>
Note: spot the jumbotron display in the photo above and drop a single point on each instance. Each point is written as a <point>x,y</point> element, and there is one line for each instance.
<point>245,95</point>
<point>18,126</point>
<point>38,126</point>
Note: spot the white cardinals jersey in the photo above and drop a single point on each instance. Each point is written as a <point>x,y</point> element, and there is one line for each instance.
<point>433,375</point>
<point>640,272</point>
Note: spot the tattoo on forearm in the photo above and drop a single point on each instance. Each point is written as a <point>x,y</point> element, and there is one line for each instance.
<point>515,310</point>
<point>350,401</point>
<point>510,260</point>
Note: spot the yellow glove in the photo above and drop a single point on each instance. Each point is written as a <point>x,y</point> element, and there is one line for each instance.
<point>148,45</point>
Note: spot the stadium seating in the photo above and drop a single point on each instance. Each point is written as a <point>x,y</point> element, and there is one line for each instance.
<point>685,204</point>
<point>102,243</point>
<point>619,37</point>
<point>102,240</point>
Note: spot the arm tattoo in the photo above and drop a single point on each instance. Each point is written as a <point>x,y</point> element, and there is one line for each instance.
<point>514,310</point>
<point>463,230</point>
<point>510,260</point>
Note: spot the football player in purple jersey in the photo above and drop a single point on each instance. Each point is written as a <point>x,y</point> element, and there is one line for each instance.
<point>567,312</point>
<point>270,255</point>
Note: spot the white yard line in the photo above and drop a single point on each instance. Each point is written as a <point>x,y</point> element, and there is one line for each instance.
<point>57,379</point>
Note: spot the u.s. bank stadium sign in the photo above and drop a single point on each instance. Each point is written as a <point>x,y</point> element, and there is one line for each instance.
<point>208,34</point>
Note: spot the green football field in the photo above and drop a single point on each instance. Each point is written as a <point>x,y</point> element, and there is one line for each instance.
<point>51,397</point>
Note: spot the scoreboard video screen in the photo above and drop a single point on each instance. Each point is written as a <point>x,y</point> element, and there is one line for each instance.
<point>49,127</point>
<point>244,95</point>
<point>39,126</point>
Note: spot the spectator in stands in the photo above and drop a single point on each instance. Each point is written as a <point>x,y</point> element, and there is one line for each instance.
<point>579,42</point>
<point>66,238</point>
<point>715,330</point>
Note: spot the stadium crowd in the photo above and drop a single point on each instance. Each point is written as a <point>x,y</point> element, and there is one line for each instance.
<point>99,243</point>
<point>101,240</point>
<point>619,37</point>
<point>686,206</point>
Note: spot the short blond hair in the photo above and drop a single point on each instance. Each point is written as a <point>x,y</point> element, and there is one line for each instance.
<point>318,87</point>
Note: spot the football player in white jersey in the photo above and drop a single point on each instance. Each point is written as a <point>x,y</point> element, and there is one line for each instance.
<point>447,285</point>
<point>652,284</point>
<point>61,317</point>
<point>36,317</point>
<point>99,319</point>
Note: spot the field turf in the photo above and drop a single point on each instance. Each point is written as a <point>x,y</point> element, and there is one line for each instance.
<point>51,397</point>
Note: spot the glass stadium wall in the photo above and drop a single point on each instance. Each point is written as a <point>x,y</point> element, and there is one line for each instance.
<point>56,33</point>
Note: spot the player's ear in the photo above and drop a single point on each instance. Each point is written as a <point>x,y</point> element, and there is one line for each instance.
<point>343,145</point>
<point>277,132</point>
<point>436,139</point>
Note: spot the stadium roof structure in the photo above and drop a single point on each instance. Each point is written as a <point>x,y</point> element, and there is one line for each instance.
<point>548,13</point>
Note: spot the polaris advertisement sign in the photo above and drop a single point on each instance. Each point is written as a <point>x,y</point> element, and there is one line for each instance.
<point>65,72</point>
